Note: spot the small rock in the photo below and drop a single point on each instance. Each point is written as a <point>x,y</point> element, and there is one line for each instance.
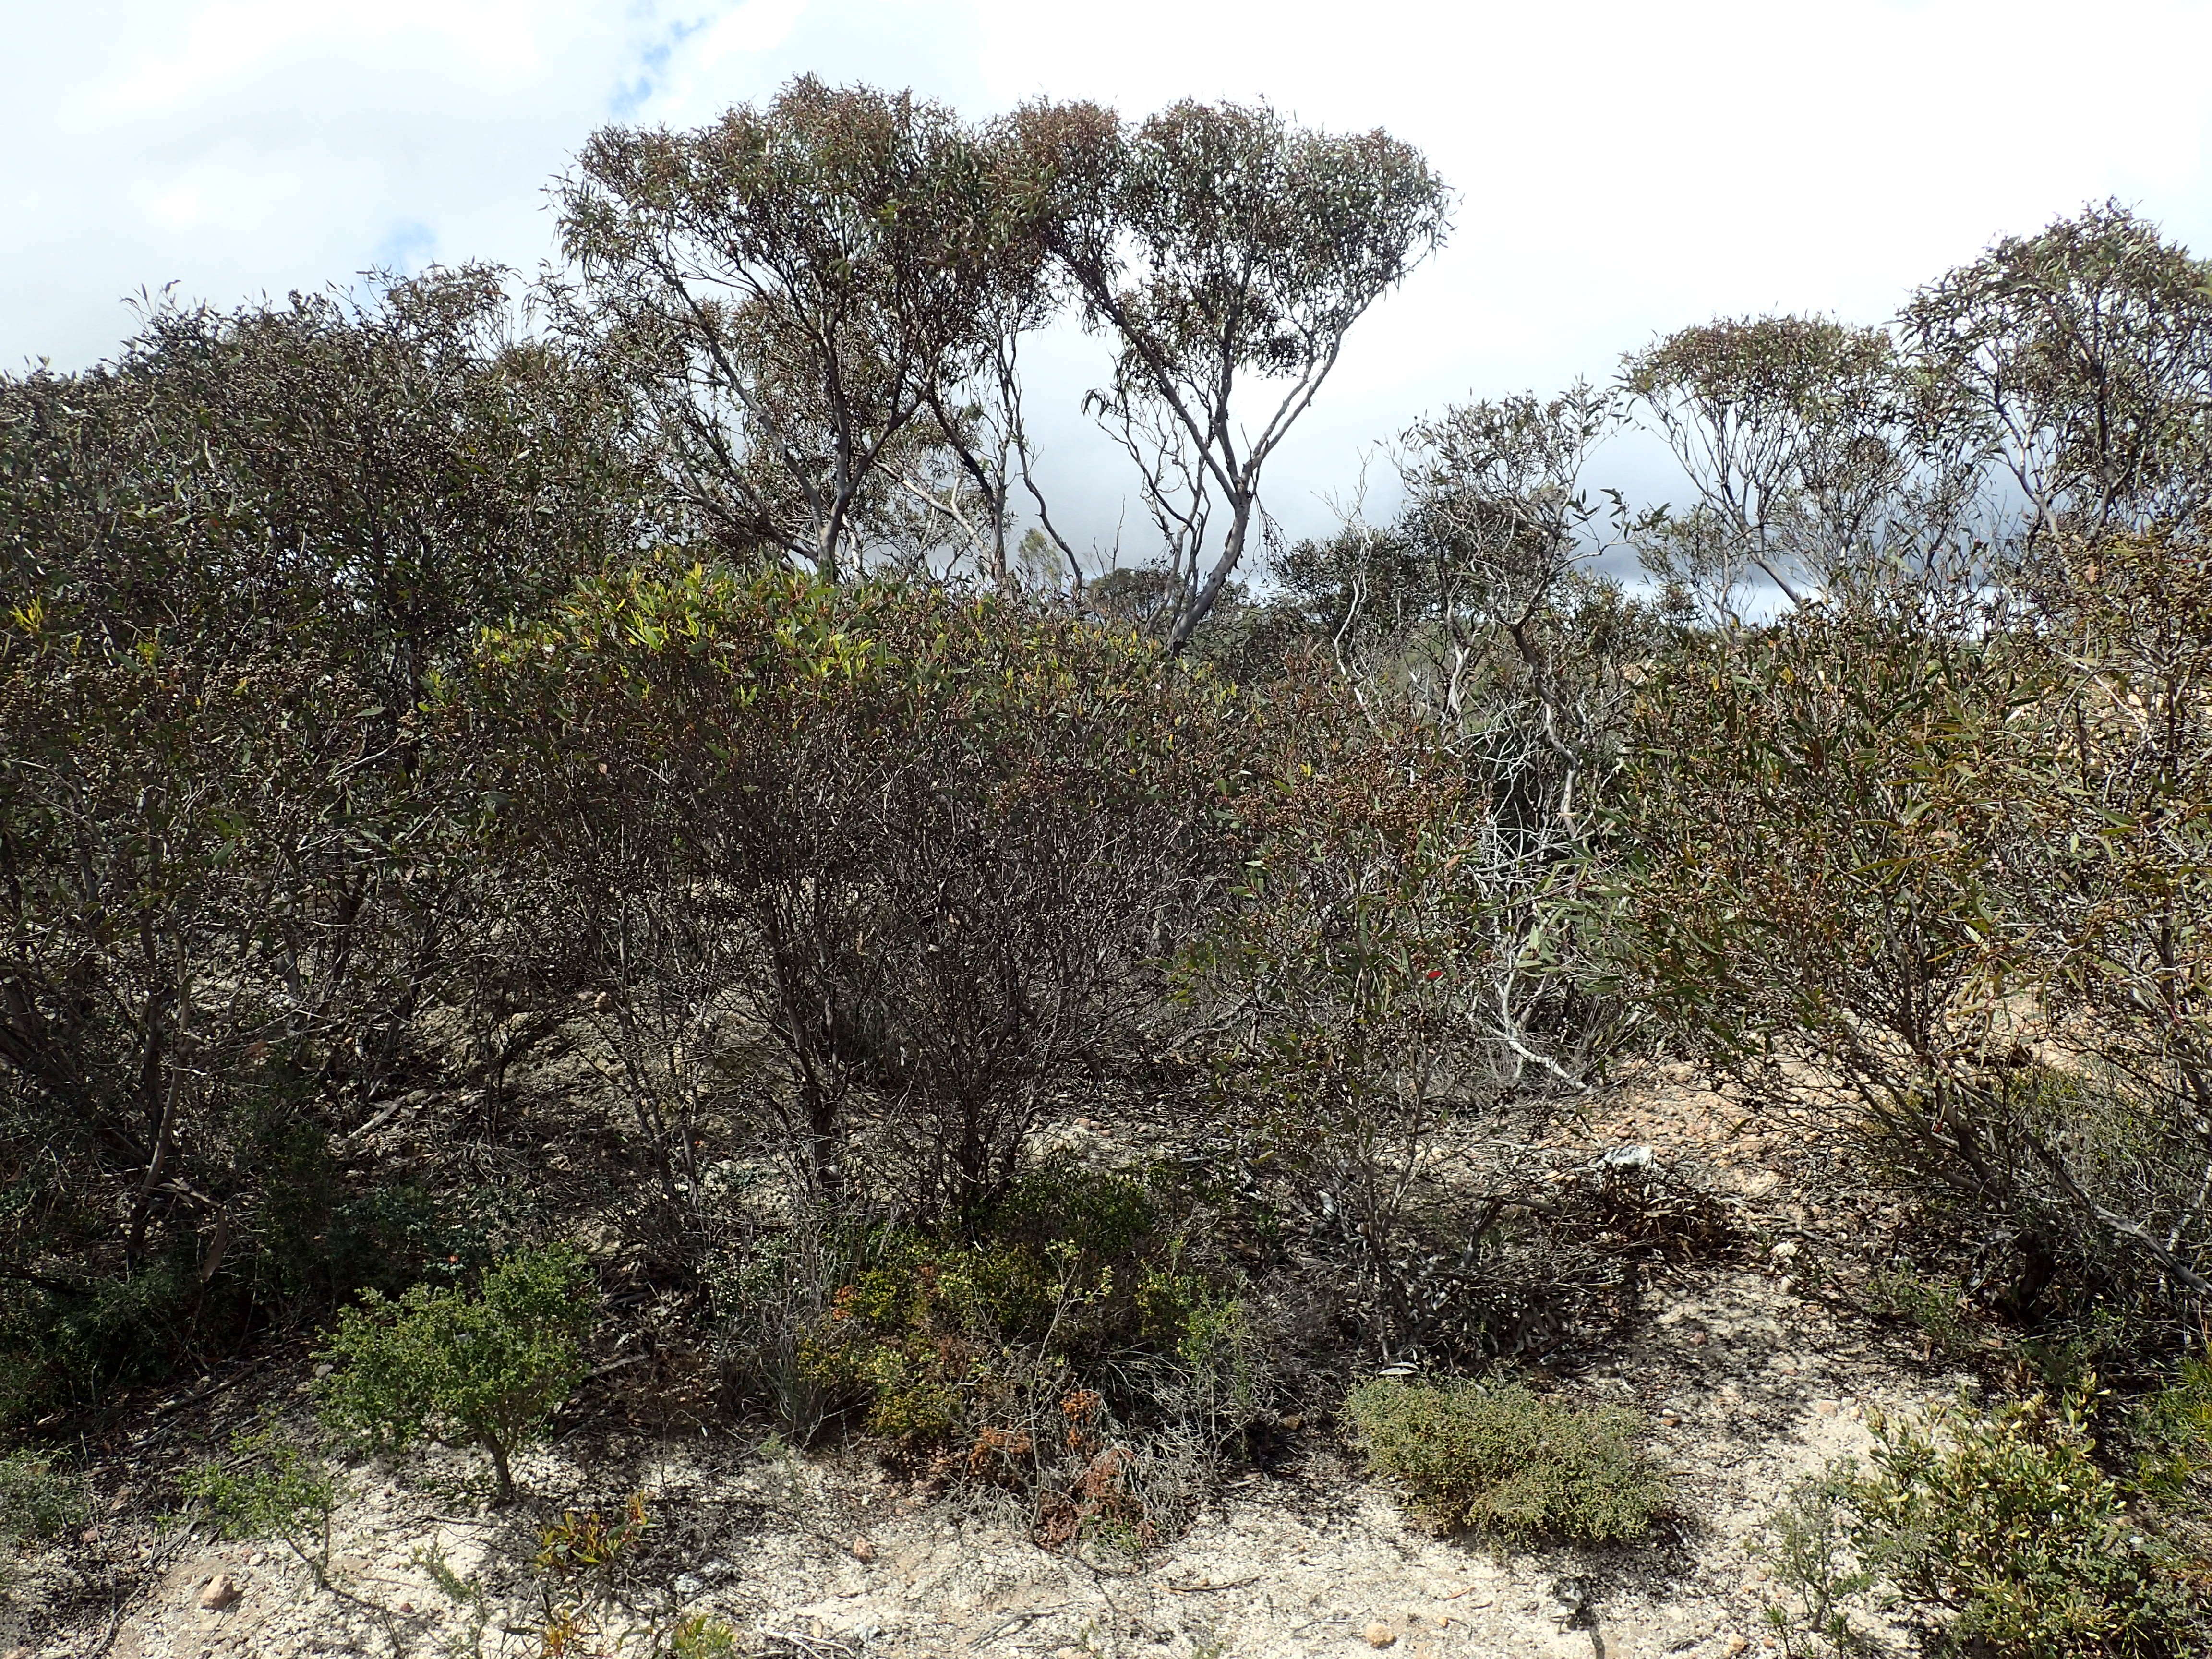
<point>1379,1635</point>
<point>863,1550</point>
<point>1569,1601</point>
<point>1824,1407</point>
<point>219,1592</point>
<point>406,1606</point>
<point>323,1370</point>
<point>689,1583</point>
<point>1734,1645</point>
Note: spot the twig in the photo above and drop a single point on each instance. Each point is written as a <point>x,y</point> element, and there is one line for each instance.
<point>1202,1590</point>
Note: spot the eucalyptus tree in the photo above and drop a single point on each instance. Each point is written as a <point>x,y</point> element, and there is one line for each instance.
<point>791,293</point>
<point>1226,252</point>
<point>1817,450</point>
<point>2080,359</point>
<point>1495,510</point>
<point>977,447</point>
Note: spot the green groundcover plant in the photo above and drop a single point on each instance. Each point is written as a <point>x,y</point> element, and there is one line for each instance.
<point>1507,1462</point>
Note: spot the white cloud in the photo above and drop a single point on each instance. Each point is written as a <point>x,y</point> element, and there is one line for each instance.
<point>243,146</point>
<point>1626,167</point>
<point>208,196</point>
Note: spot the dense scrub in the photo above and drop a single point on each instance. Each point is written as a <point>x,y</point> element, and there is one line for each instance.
<point>1051,1025</point>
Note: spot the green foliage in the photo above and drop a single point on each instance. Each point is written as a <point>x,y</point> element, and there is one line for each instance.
<point>1507,1462</point>
<point>2006,1525</point>
<point>1225,248</point>
<point>488,1369</point>
<point>702,1635</point>
<point>65,1345</point>
<point>1939,1308</point>
<point>2171,1431</point>
<point>585,1581</point>
<point>269,1487</point>
<point>1887,768</point>
<point>1809,1548</point>
<point>372,478</point>
<point>946,1342</point>
<point>235,557</point>
<point>957,826</point>
<point>1390,966</point>
<point>1069,1350</point>
<point>39,1501</point>
<point>836,255</point>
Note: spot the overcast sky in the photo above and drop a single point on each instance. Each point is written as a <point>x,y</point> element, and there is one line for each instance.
<point>1625,168</point>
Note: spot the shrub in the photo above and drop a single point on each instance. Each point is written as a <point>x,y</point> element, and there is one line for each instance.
<point>38,1501</point>
<point>1938,1307</point>
<point>585,1579</point>
<point>67,1344</point>
<point>772,1295</point>
<point>945,1340</point>
<point>1993,805</point>
<point>2006,1523</point>
<point>2003,1526</point>
<point>2172,1432</point>
<point>1074,1356</point>
<point>269,1487</point>
<point>488,1369</point>
<point>1809,1548</point>
<point>1506,1461</point>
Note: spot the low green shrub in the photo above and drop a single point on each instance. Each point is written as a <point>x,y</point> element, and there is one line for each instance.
<point>68,1345</point>
<point>38,1502</point>
<point>2006,1531</point>
<point>2170,1434</point>
<point>1816,1571</point>
<point>771,1292</point>
<point>298,1248</point>
<point>941,1339</point>
<point>269,1487</point>
<point>488,1369</point>
<point>1507,1462</point>
<point>2005,1524</point>
<point>1062,1346</point>
<point>1951,1327</point>
<point>1071,1282</point>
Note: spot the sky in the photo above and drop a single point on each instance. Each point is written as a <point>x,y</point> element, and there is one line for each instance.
<point>1624,169</point>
